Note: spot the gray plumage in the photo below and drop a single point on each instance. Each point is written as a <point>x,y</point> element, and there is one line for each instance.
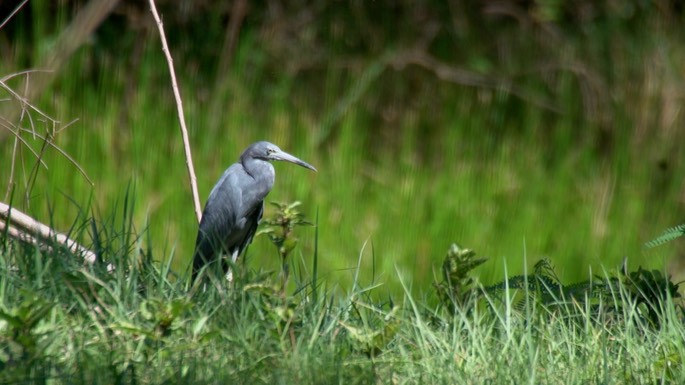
<point>236,203</point>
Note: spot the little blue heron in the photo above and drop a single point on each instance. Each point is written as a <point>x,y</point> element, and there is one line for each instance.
<point>235,205</point>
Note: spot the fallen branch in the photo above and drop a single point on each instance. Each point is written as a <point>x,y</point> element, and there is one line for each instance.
<point>26,229</point>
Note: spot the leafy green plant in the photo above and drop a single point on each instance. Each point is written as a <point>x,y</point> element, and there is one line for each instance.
<point>648,291</point>
<point>279,228</point>
<point>21,335</point>
<point>159,318</point>
<point>667,236</point>
<point>372,329</point>
<point>456,286</point>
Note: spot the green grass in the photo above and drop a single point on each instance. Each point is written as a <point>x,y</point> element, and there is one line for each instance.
<point>65,323</point>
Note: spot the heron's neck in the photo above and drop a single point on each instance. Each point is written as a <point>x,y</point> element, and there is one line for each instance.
<point>260,170</point>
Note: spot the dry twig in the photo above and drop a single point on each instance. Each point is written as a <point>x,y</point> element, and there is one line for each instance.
<point>16,9</point>
<point>181,117</point>
<point>69,40</point>
<point>27,109</point>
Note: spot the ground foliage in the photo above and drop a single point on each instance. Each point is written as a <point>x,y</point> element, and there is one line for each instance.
<point>646,292</point>
<point>64,322</point>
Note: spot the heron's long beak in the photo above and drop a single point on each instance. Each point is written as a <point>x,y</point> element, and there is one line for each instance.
<point>284,156</point>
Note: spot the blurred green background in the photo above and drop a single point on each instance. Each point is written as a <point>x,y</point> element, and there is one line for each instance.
<point>521,129</point>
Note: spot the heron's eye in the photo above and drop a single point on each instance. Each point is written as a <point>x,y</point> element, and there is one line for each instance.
<point>269,151</point>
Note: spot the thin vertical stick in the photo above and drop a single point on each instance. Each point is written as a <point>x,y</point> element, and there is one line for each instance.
<point>181,117</point>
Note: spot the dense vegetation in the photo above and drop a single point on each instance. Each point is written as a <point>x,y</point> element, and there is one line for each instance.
<point>63,322</point>
<point>524,129</point>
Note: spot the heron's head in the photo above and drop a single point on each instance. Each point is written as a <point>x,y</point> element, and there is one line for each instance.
<point>269,151</point>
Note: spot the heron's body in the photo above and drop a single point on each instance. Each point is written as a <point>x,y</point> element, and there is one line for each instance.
<point>235,205</point>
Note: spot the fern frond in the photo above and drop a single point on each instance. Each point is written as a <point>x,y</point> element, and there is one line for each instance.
<point>667,236</point>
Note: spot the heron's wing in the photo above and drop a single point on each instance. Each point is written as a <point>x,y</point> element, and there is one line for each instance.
<point>253,220</point>
<point>218,219</point>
